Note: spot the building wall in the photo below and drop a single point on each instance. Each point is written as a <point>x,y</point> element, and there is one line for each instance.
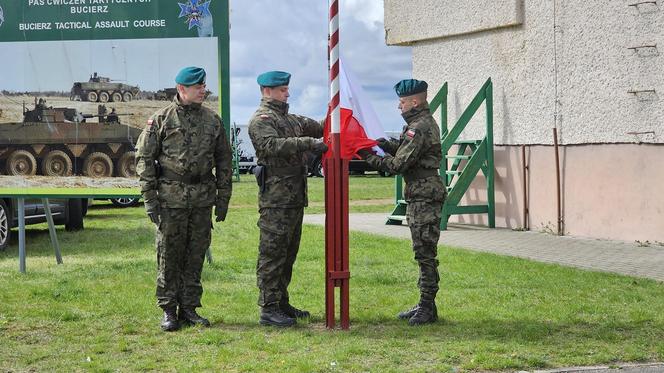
<point>592,69</point>
<point>581,74</point>
<point>603,196</point>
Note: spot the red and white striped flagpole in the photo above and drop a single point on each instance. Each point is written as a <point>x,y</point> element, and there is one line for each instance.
<point>337,273</point>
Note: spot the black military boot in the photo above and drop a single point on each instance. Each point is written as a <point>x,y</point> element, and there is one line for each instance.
<point>293,312</point>
<point>406,315</point>
<point>426,313</point>
<point>170,321</point>
<point>273,315</point>
<point>189,316</point>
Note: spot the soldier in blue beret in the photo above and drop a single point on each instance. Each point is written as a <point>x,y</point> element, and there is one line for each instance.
<point>417,157</point>
<point>281,141</point>
<point>177,153</point>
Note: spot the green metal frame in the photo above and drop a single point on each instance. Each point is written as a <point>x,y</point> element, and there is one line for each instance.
<point>477,155</point>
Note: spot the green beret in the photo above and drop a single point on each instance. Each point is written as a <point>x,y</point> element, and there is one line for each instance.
<point>190,75</point>
<point>273,79</point>
<point>409,87</point>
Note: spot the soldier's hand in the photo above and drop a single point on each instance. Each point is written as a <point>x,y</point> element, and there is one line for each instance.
<point>381,142</point>
<point>319,146</point>
<point>387,145</point>
<point>153,210</point>
<point>220,211</point>
<point>364,153</point>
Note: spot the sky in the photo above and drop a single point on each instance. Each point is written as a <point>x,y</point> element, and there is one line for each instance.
<point>292,36</point>
<point>288,35</point>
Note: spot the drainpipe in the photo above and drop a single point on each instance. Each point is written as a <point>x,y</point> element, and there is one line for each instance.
<point>525,186</point>
<point>558,209</point>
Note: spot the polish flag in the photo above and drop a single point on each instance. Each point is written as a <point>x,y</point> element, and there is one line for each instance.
<point>358,121</point>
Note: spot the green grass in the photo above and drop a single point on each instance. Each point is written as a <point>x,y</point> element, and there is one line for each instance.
<point>97,311</point>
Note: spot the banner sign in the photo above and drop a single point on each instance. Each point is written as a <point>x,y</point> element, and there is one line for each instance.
<point>40,20</point>
<point>80,78</point>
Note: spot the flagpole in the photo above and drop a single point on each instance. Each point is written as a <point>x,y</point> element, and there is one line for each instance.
<point>336,192</point>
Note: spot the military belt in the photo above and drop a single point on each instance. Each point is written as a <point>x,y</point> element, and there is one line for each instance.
<point>286,171</point>
<point>420,173</point>
<point>186,179</point>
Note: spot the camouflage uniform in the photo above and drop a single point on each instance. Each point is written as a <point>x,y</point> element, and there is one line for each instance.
<point>417,157</point>
<point>188,142</point>
<point>280,140</point>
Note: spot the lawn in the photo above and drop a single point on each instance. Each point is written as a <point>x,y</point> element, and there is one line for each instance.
<point>97,311</point>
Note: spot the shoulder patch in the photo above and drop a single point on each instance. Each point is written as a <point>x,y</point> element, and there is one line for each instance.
<point>265,116</point>
<point>150,122</point>
<point>410,133</point>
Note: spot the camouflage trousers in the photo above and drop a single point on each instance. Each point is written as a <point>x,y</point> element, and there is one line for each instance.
<point>183,237</point>
<point>281,230</point>
<point>424,223</point>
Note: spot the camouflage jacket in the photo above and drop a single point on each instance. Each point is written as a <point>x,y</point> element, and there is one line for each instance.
<point>417,157</point>
<point>281,141</point>
<point>188,142</point>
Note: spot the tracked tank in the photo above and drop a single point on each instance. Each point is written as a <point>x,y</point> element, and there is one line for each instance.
<point>102,89</point>
<point>64,142</point>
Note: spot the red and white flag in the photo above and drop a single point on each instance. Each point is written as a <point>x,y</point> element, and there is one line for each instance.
<point>359,123</point>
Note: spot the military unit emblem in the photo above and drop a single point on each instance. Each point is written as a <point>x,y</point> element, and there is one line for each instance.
<point>194,11</point>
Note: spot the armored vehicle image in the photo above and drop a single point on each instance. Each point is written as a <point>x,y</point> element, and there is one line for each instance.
<point>61,142</point>
<point>166,94</point>
<point>102,89</point>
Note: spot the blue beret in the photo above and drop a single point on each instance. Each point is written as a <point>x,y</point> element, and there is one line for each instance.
<point>190,75</point>
<point>409,87</point>
<point>273,79</point>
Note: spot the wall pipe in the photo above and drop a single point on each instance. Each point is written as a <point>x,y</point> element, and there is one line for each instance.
<point>525,188</point>
<point>558,209</point>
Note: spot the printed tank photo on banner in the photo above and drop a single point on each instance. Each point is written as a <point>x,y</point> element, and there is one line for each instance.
<point>84,78</point>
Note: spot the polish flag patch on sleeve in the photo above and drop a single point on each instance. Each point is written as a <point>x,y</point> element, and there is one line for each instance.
<point>410,133</point>
<point>150,122</point>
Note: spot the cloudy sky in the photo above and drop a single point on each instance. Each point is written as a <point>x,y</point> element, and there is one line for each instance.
<point>292,36</point>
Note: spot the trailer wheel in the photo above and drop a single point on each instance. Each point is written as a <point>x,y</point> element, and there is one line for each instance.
<point>21,162</point>
<point>92,96</point>
<point>98,164</point>
<point>104,97</point>
<point>74,215</point>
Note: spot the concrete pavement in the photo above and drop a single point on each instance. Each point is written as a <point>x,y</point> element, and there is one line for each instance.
<point>628,258</point>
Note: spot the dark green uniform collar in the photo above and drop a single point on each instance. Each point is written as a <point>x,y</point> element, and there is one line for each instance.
<point>276,105</point>
<point>191,106</point>
<point>416,112</point>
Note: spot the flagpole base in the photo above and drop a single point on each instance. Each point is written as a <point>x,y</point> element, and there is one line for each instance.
<point>337,274</point>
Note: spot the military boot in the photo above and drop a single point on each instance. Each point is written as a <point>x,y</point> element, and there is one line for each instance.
<point>426,313</point>
<point>273,315</point>
<point>170,321</point>
<point>406,315</point>
<point>293,312</point>
<point>189,316</point>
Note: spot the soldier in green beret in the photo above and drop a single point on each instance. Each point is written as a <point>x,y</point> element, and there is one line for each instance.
<point>417,157</point>
<point>177,153</point>
<point>281,140</point>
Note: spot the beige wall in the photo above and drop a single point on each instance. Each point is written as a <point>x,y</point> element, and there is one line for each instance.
<point>598,74</point>
<point>593,69</point>
<point>612,191</point>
